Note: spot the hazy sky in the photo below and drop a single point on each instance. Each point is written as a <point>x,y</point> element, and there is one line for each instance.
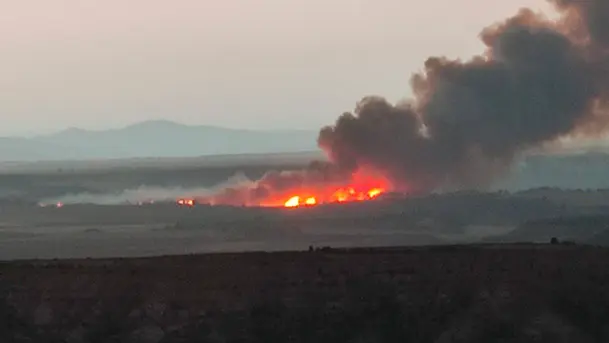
<point>238,63</point>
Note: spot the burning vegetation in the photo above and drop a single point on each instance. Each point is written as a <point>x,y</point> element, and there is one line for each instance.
<point>538,80</point>
<point>186,202</point>
<point>271,192</point>
<point>339,195</point>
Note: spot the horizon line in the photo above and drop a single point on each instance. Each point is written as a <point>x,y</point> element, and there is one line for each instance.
<point>148,121</point>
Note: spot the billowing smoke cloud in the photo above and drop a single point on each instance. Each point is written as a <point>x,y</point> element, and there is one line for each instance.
<point>537,81</point>
<point>587,19</point>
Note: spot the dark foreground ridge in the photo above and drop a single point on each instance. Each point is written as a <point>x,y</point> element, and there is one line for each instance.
<point>486,293</point>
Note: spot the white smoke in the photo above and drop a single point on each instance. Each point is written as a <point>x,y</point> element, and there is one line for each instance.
<point>147,194</point>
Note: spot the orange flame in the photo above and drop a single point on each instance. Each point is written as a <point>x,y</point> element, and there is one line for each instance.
<point>293,201</point>
<point>361,188</point>
<point>296,201</point>
<point>186,202</point>
<point>310,201</point>
<point>340,195</point>
<point>374,192</point>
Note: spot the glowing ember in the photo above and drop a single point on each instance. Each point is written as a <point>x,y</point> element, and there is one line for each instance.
<point>57,205</point>
<point>186,202</point>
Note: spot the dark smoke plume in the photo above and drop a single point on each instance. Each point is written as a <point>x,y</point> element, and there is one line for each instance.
<point>537,81</point>
<point>587,18</point>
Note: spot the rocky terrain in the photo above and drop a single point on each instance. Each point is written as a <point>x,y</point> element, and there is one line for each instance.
<point>498,293</point>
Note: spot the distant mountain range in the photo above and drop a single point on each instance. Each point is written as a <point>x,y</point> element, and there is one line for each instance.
<point>157,138</point>
<point>162,138</point>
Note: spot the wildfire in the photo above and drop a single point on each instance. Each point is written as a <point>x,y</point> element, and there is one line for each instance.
<point>293,201</point>
<point>373,193</point>
<point>345,194</point>
<point>186,202</point>
<point>296,201</point>
<point>310,201</point>
<point>359,187</point>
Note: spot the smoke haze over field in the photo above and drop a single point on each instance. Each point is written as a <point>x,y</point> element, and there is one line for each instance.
<point>146,194</point>
<point>143,194</point>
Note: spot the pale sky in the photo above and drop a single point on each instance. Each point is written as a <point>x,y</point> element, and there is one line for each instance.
<point>99,64</point>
